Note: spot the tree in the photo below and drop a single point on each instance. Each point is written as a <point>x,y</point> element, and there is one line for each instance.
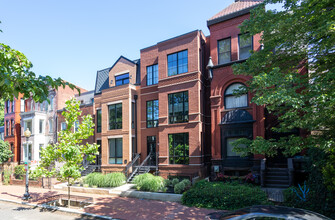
<point>17,77</point>
<point>5,152</point>
<point>299,38</point>
<point>69,151</point>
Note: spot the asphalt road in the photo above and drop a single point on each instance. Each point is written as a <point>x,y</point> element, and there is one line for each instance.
<point>11,211</point>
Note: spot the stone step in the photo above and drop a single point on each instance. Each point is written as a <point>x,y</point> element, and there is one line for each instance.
<point>277,177</point>
<point>273,181</point>
<point>277,185</point>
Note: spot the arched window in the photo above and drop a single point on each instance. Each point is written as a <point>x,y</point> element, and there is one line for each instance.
<point>235,101</point>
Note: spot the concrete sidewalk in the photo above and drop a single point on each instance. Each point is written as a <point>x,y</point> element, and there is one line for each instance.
<point>113,206</point>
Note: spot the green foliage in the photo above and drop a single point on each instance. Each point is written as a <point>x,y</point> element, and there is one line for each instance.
<point>297,39</point>
<point>17,77</point>
<point>149,182</point>
<point>107,180</point>
<point>6,177</point>
<point>19,172</point>
<point>174,182</point>
<point>69,151</point>
<point>226,196</point>
<point>5,152</point>
<point>182,186</point>
<point>320,198</point>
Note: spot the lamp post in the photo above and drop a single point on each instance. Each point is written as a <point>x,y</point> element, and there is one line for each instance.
<point>26,196</point>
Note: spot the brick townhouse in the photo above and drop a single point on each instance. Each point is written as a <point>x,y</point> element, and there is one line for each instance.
<point>232,117</point>
<point>41,120</point>
<point>12,128</point>
<point>116,97</point>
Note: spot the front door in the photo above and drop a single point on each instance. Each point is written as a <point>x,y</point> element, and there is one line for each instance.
<point>151,149</point>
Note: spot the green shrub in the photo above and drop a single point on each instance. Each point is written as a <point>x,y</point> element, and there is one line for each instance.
<point>224,196</point>
<point>149,182</point>
<point>174,182</point>
<point>179,188</point>
<point>19,172</point>
<point>108,180</point>
<point>186,182</point>
<point>167,182</point>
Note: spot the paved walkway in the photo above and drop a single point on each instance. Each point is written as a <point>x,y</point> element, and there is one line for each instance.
<point>113,206</point>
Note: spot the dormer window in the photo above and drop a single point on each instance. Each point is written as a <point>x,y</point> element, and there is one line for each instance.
<point>122,79</point>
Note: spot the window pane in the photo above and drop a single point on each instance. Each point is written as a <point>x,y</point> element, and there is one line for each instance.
<point>155,108</point>
<point>245,52</point>
<point>179,148</point>
<point>234,101</point>
<point>155,74</point>
<point>230,147</point>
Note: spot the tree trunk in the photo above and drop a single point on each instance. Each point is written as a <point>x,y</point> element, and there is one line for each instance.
<point>68,192</point>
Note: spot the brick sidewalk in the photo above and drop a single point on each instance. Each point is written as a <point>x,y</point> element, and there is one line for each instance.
<point>116,207</point>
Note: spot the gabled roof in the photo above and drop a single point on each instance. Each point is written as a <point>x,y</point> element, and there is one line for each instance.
<point>102,80</point>
<point>238,8</point>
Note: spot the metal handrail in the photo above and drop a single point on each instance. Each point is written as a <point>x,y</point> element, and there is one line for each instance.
<point>139,167</point>
<point>131,164</point>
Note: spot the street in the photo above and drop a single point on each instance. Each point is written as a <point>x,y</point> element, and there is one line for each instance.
<point>13,211</point>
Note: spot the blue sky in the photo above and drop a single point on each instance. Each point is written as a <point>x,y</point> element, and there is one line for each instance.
<point>73,39</point>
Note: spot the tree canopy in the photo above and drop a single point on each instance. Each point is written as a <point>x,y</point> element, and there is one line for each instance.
<point>5,152</point>
<point>294,75</point>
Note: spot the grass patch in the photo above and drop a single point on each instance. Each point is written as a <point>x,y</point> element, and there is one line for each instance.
<point>105,180</point>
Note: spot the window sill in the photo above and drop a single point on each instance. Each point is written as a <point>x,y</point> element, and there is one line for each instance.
<point>229,63</point>
<point>241,108</point>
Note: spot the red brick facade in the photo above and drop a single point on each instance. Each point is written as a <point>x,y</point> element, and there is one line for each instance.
<point>12,120</point>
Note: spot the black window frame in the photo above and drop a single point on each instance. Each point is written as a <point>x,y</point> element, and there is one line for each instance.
<point>12,124</point>
<point>115,151</point>
<point>218,49</point>
<point>98,121</point>
<point>7,128</point>
<point>122,80</point>
<point>177,53</point>
<point>184,116</point>
<point>13,106</point>
<point>153,122</point>
<point>172,155</point>
<point>239,48</point>
<point>152,75</point>
<point>7,106</point>
<point>113,123</point>
<point>230,95</point>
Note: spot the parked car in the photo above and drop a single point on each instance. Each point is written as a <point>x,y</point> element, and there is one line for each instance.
<point>267,213</point>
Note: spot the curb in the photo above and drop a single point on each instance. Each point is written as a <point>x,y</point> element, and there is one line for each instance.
<point>73,211</point>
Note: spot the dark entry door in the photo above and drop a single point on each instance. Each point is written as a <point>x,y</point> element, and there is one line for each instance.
<point>98,159</point>
<point>151,149</point>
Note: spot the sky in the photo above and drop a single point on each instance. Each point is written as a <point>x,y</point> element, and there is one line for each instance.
<point>74,39</point>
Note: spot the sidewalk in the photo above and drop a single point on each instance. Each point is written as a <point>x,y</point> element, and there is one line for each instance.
<point>113,206</point>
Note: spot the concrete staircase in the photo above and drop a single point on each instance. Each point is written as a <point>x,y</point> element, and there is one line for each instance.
<point>277,177</point>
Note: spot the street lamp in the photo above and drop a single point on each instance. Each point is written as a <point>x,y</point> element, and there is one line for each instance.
<point>26,196</point>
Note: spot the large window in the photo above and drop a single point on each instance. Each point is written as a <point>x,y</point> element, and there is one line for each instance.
<point>224,51</point>
<point>115,116</point>
<point>115,151</point>
<point>177,63</point>
<point>7,106</point>
<point>41,126</point>
<point>235,101</point>
<point>28,125</point>
<point>13,105</point>
<point>12,124</point>
<point>22,105</point>
<point>99,121</point>
<point>122,79</point>
<point>7,128</point>
<point>245,46</point>
<point>230,147</point>
<point>152,113</point>
<point>178,107</point>
<point>50,125</point>
<point>63,126</point>
<point>152,75</point>
<point>178,148</point>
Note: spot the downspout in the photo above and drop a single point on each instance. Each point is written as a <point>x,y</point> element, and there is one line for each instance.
<point>135,122</point>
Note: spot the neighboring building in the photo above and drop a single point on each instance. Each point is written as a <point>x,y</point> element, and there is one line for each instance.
<point>12,128</point>
<point>116,95</point>
<point>232,116</point>
<point>40,119</point>
<point>86,107</point>
<point>2,132</point>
